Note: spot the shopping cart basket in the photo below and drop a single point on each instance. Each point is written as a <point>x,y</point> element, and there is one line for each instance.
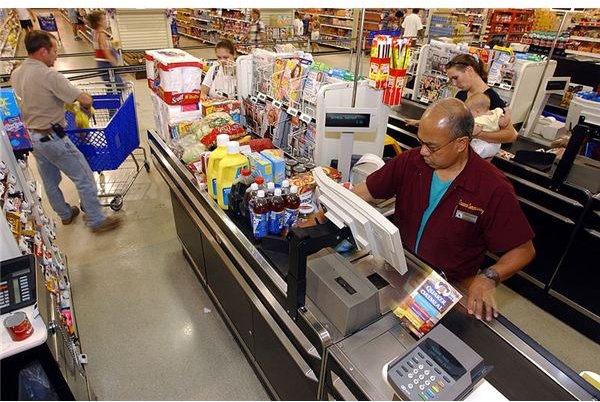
<point>48,24</point>
<point>112,137</point>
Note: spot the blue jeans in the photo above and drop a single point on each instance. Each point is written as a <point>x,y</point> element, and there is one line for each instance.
<point>60,155</point>
<point>106,76</point>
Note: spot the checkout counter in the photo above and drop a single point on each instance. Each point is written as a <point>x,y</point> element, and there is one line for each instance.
<point>562,205</point>
<point>298,349</point>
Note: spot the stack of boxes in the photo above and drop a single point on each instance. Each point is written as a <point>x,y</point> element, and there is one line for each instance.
<point>175,77</point>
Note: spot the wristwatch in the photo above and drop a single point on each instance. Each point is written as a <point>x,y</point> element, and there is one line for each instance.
<point>491,273</point>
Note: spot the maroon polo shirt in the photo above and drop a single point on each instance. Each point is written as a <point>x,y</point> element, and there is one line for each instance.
<point>478,212</point>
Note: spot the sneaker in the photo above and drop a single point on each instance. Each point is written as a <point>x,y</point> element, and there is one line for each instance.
<point>74,213</point>
<point>111,222</point>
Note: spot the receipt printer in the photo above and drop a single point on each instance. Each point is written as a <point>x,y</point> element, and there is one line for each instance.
<point>346,299</point>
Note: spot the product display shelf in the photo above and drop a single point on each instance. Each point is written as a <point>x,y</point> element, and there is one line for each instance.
<point>56,297</point>
<point>332,29</point>
<point>579,53</point>
<point>510,23</point>
<point>89,32</point>
<point>8,48</point>
<point>190,22</point>
<point>585,38</point>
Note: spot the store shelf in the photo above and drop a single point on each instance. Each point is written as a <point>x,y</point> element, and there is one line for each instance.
<point>196,37</point>
<point>588,24</point>
<point>578,53</point>
<point>336,16</point>
<point>333,45</point>
<point>231,19</point>
<point>200,19</point>
<point>336,36</point>
<point>584,38</point>
<point>336,26</point>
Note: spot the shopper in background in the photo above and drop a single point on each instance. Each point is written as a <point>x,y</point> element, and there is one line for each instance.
<point>298,25</point>
<point>257,31</point>
<point>220,80</point>
<point>306,23</point>
<point>469,74</point>
<point>76,22</point>
<point>413,27</point>
<point>315,32</point>
<point>26,18</point>
<point>452,206</point>
<point>104,54</point>
<point>399,20</point>
<point>42,94</point>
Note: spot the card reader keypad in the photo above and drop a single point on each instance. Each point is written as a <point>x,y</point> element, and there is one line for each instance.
<point>419,377</point>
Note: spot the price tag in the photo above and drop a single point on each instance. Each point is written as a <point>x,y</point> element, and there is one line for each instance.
<point>277,104</point>
<point>505,86</point>
<point>253,99</point>
<point>305,118</point>
<point>291,111</point>
<point>262,96</point>
<point>424,99</point>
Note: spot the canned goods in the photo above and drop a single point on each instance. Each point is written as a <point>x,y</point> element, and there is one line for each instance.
<point>302,160</point>
<point>310,166</point>
<point>298,169</point>
<point>289,166</point>
<point>18,326</point>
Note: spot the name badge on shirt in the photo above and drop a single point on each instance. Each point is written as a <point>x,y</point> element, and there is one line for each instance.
<point>467,212</point>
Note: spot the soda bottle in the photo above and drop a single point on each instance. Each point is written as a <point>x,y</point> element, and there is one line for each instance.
<point>285,188</point>
<point>261,182</point>
<point>292,204</point>
<point>249,197</point>
<point>270,190</point>
<point>238,191</point>
<point>277,207</point>
<point>260,218</point>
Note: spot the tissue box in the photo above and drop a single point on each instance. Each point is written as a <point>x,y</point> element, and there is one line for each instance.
<point>278,164</point>
<point>229,106</point>
<point>261,166</point>
<point>174,75</point>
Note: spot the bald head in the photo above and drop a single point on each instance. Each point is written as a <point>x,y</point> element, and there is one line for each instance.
<point>450,115</point>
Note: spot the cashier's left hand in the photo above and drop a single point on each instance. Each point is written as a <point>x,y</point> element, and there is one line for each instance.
<point>481,298</point>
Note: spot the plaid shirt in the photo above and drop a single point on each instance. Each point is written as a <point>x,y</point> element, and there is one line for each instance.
<point>256,28</point>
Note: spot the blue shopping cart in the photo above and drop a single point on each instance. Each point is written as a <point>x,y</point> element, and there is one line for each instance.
<point>113,136</point>
<point>48,23</point>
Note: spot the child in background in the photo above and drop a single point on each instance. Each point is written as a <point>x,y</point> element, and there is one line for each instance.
<point>488,120</point>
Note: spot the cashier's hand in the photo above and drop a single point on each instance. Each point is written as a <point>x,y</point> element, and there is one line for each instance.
<point>481,298</point>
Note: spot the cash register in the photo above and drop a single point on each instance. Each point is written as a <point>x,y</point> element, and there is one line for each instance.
<point>439,366</point>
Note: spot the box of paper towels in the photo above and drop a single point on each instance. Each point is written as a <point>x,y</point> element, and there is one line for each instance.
<point>174,75</point>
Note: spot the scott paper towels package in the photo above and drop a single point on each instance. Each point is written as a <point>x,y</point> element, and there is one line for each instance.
<point>174,75</point>
<point>169,118</point>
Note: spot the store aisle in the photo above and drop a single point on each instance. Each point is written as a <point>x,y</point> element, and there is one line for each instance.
<point>146,323</point>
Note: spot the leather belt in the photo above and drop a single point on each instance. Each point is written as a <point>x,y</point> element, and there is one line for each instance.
<point>45,131</point>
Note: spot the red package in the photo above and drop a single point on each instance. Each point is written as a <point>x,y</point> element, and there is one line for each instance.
<point>234,131</point>
<point>260,144</point>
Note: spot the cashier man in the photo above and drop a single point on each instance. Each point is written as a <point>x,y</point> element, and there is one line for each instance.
<point>452,206</point>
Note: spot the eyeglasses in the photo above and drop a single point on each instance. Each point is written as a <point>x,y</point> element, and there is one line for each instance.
<point>436,149</point>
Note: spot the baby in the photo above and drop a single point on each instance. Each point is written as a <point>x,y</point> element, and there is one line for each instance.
<point>488,120</point>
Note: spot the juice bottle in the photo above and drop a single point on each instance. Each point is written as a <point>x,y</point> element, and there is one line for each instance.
<point>249,197</point>
<point>229,168</point>
<point>213,164</point>
<point>277,207</point>
<point>292,203</point>
<point>238,191</point>
<point>260,218</point>
<point>261,182</point>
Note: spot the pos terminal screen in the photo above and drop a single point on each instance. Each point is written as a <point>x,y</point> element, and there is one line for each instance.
<point>349,120</point>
